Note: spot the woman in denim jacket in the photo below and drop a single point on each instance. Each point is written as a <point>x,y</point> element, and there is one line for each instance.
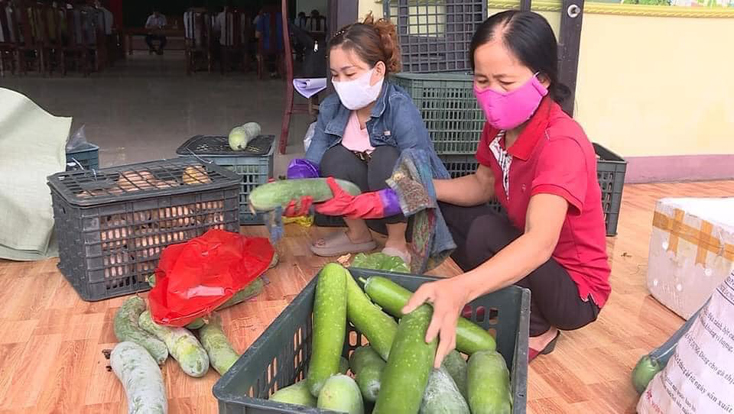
<point>360,133</point>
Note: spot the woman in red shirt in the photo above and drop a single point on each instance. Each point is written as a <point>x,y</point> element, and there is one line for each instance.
<point>540,165</point>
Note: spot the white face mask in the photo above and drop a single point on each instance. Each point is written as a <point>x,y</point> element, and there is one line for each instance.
<point>358,93</point>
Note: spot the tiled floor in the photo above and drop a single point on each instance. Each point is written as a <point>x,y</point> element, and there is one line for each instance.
<point>143,108</point>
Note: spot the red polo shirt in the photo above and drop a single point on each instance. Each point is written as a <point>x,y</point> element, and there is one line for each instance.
<point>552,155</point>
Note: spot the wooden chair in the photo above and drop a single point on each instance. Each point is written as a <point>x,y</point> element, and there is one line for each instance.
<point>197,24</point>
<point>49,19</point>
<point>27,44</point>
<point>75,48</point>
<point>93,37</point>
<point>290,106</point>
<point>8,46</point>
<point>233,35</point>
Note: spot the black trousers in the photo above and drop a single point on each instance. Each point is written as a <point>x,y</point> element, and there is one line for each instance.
<point>150,38</point>
<point>339,162</point>
<point>480,233</point>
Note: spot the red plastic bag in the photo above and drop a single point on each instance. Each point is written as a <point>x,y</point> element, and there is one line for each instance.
<point>194,278</point>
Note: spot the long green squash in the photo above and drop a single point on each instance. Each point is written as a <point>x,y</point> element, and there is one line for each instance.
<point>221,354</point>
<point>140,377</point>
<point>127,329</point>
<point>329,326</point>
<point>275,194</point>
<point>405,376</point>
<point>182,345</point>
<point>392,297</point>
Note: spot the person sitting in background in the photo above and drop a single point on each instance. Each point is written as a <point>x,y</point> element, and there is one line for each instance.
<point>269,30</point>
<point>155,22</point>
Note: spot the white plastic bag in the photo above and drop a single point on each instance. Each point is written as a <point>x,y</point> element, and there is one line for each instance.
<point>699,378</point>
<point>77,141</point>
<point>309,135</point>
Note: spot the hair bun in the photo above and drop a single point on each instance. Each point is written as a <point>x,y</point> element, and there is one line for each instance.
<point>389,38</point>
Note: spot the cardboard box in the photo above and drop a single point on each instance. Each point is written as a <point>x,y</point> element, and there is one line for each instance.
<point>691,251</point>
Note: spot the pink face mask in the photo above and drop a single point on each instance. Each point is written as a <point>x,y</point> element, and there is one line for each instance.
<point>509,110</point>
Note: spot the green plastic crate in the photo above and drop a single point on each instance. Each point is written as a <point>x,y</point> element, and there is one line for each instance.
<point>280,356</point>
<point>448,107</point>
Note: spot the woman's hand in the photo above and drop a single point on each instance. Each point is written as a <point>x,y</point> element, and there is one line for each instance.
<point>448,297</point>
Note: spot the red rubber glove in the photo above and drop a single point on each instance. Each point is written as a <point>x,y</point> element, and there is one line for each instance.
<point>298,208</point>
<point>364,206</point>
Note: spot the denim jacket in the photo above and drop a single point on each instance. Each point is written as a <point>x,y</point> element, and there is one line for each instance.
<point>394,121</point>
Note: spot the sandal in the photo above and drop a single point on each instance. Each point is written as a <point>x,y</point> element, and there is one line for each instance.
<point>391,251</point>
<point>338,244</point>
<point>533,353</point>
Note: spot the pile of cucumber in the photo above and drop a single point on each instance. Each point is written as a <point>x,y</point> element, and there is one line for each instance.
<point>145,345</point>
<point>393,374</point>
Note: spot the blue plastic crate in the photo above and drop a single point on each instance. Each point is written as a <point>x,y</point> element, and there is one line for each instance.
<point>84,158</point>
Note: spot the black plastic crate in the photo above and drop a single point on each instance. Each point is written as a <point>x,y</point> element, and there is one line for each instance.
<point>254,164</point>
<point>112,224</point>
<point>83,158</point>
<point>448,107</point>
<point>435,35</point>
<point>610,170</point>
<point>279,357</point>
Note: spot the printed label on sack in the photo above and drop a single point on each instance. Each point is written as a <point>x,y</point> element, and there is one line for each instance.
<point>699,378</point>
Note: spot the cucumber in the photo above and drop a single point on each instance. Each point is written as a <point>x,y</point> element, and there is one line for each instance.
<point>406,373</point>
<point>267,197</point>
<point>367,367</point>
<point>392,297</point>
<point>127,329</point>
<point>455,366</point>
<point>343,365</point>
<point>649,365</point>
<point>297,393</point>
<point>378,327</point>
<point>140,377</point>
<point>489,384</point>
<point>329,325</point>
<point>253,289</point>
<point>182,344</point>
<point>221,354</point>
<point>442,396</point>
<point>341,393</point>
